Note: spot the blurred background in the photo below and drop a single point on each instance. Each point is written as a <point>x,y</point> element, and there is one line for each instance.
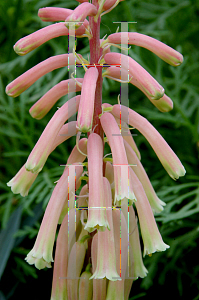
<point>173,273</point>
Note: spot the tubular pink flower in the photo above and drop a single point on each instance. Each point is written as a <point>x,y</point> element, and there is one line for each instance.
<point>81,12</point>
<point>75,155</point>
<point>165,52</point>
<point>147,82</point>
<point>41,254</point>
<point>109,173</point>
<point>86,105</point>
<point>128,137</point>
<point>54,14</point>
<point>82,202</point>
<point>99,285</point>
<point>59,285</point>
<point>22,181</point>
<point>155,202</point>
<point>109,3</point>
<point>64,134</point>
<point>164,104</point>
<point>167,157</point>
<point>74,158</point>
<point>106,257</point>
<point>115,289</point>
<point>75,264</point>
<point>42,149</point>
<point>41,36</point>
<point>138,268</point>
<point>86,285</point>
<point>96,209</point>
<point>150,234</point>
<point>123,185</point>
<point>45,103</point>
<point>23,82</point>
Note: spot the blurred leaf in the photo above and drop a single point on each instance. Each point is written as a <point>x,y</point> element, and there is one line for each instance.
<point>6,237</point>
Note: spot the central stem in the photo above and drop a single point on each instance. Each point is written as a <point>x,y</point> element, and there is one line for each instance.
<point>95,54</point>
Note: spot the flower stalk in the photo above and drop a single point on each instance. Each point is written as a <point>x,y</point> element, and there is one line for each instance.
<point>98,253</point>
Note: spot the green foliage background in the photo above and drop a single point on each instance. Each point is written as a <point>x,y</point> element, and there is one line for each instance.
<point>173,273</point>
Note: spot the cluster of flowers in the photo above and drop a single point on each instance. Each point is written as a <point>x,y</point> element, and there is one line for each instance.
<point>98,252</point>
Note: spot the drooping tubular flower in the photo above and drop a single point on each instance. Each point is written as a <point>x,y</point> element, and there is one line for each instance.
<point>92,258</point>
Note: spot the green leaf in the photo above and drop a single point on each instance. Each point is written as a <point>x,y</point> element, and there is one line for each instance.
<point>6,237</point>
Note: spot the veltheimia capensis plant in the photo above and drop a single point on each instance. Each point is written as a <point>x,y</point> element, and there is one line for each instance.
<point>98,253</point>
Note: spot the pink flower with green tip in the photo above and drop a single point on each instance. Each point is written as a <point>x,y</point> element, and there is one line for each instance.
<point>42,149</point>
<point>123,185</point>
<point>165,52</point>
<point>86,105</point>
<point>41,254</point>
<point>165,154</point>
<point>97,218</point>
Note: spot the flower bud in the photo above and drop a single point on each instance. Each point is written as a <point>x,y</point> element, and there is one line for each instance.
<point>81,12</point>
<point>155,202</point>
<point>96,207</point>
<point>86,107</point>
<point>42,149</point>
<point>152,88</point>
<point>54,14</point>
<point>41,36</point>
<point>59,285</point>
<point>23,82</point>
<point>86,285</point>
<point>123,185</point>
<point>167,157</point>
<point>150,234</point>
<point>41,254</point>
<point>165,52</point>
<point>106,258</point>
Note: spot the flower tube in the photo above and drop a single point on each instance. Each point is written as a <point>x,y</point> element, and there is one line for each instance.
<point>106,258</point>
<point>150,234</point>
<point>115,289</point>
<point>165,52</point>
<point>41,254</point>
<point>147,82</point>
<point>41,151</point>
<point>22,181</point>
<point>45,103</point>
<point>59,285</point>
<point>99,285</point>
<point>86,285</point>
<point>128,137</point>
<point>164,104</point>
<point>86,106</point>
<point>123,185</point>
<point>155,202</point>
<point>138,268</point>
<point>167,157</point>
<point>54,14</point>
<point>75,264</point>
<point>23,82</point>
<point>41,36</point>
<point>67,130</point>
<point>81,12</point>
<point>97,218</point>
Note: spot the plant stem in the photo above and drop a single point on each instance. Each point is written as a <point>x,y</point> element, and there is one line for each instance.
<point>95,54</point>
